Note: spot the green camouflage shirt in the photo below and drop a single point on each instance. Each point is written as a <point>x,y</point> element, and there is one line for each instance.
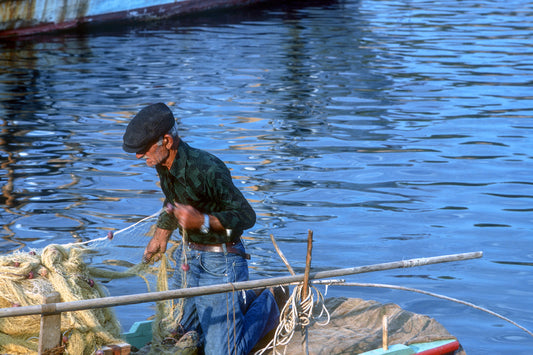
<point>200,179</point>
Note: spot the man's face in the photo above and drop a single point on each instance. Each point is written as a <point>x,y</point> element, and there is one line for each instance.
<point>156,154</point>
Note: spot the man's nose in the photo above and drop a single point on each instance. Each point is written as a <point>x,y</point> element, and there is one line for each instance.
<point>139,155</point>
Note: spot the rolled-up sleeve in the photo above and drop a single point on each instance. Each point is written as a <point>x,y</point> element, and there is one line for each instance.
<point>167,221</point>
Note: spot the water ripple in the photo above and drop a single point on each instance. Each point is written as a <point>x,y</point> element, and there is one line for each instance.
<point>390,129</point>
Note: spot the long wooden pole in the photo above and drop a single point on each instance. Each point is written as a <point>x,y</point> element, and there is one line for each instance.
<point>244,285</point>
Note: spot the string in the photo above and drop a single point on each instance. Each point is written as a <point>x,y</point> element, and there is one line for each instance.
<point>433,295</point>
<point>297,312</point>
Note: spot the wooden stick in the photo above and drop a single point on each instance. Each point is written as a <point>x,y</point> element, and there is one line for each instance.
<point>244,285</point>
<point>305,285</point>
<point>305,290</point>
<point>50,333</point>
<point>385,334</point>
<point>280,253</point>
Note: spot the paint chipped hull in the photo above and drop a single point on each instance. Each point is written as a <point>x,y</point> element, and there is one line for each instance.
<point>26,17</point>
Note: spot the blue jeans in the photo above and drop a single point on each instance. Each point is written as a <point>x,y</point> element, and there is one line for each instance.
<point>228,323</point>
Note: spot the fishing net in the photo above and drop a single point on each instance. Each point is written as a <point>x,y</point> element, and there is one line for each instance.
<point>77,271</point>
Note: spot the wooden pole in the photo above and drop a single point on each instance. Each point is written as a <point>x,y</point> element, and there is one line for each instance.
<point>305,285</point>
<point>244,285</point>
<point>385,334</point>
<point>50,333</point>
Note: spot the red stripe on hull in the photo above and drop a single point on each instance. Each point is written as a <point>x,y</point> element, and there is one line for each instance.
<point>445,349</point>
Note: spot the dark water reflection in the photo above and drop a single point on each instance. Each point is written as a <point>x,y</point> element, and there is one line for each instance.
<point>392,130</point>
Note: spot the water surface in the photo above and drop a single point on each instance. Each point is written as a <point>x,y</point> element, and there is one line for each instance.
<point>392,130</point>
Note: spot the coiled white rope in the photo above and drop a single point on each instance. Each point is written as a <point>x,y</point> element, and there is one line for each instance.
<point>297,313</point>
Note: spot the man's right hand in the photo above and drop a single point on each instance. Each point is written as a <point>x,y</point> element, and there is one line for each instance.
<point>156,246</point>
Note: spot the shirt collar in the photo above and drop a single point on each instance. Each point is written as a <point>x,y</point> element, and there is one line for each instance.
<point>180,161</point>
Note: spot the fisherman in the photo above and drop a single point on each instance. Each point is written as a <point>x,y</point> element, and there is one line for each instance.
<point>204,204</point>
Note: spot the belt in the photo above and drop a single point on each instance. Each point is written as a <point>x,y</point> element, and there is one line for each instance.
<point>219,248</point>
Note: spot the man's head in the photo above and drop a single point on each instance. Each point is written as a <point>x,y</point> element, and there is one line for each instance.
<point>147,127</point>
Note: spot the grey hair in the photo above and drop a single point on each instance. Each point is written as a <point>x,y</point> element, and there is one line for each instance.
<point>174,133</point>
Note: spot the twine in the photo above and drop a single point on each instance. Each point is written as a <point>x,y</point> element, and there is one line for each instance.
<point>26,277</point>
<point>297,313</point>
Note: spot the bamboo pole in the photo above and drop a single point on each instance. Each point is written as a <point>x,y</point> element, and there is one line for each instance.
<point>244,285</point>
<point>281,255</point>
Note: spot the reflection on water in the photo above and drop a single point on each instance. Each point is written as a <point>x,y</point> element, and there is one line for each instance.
<point>391,130</point>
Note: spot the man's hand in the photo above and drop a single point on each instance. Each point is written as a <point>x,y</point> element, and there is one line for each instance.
<point>156,246</point>
<point>188,217</point>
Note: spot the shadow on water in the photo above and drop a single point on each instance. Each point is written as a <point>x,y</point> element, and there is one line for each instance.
<point>35,138</point>
<point>40,138</point>
<point>326,103</point>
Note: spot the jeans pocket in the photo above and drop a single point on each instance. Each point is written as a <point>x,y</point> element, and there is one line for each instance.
<point>215,264</point>
<point>229,266</point>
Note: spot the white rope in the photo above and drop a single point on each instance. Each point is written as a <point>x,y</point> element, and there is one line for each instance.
<point>139,222</point>
<point>296,312</point>
<point>102,239</point>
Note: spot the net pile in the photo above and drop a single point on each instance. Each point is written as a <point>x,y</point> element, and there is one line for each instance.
<point>27,277</point>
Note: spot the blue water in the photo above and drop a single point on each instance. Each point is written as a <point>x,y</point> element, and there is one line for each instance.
<point>392,130</point>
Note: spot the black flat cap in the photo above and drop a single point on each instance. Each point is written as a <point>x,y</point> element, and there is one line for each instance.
<point>150,124</point>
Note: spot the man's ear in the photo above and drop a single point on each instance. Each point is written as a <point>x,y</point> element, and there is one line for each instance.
<point>168,141</point>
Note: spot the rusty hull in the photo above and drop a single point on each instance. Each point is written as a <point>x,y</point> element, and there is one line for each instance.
<point>26,17</point>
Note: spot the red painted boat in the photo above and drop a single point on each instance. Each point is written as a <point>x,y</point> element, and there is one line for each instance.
<point>438,347</point>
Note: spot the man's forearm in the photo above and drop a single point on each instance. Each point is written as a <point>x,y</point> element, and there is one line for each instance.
<point>157,245</point>
<point>163,235</point>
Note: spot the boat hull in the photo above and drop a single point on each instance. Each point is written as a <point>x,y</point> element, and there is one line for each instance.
<point>26,17</point>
